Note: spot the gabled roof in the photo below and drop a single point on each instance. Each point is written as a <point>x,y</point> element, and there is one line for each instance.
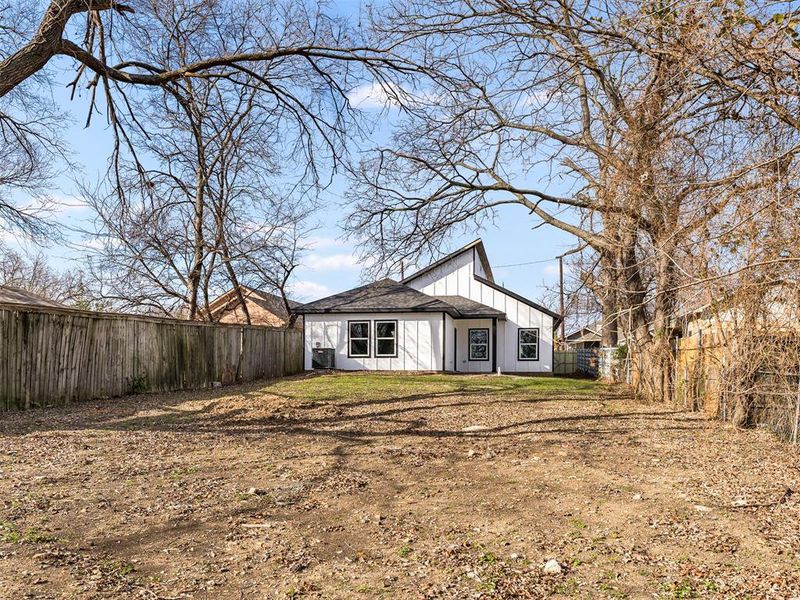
<point>388,295</point>
<point>587,330</point>
<point>15,295</point>
<point>583,335</point>
<point>556,317</point>
<point>477,245</point>
<point>264,299</point>
<point>385,295</point>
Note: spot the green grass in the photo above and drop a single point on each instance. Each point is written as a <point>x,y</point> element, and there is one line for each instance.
<point>177,474</point>
<point>374,386</point>
<point>11,535</point>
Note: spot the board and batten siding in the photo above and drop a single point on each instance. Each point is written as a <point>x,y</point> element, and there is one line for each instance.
<point>421,340</point>
<point>456,278</point>
<point>463,363</point>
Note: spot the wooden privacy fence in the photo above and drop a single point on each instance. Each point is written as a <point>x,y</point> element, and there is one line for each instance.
<point>565,362</point>
<point>704,379</point>
<point>53,357</point>
<point>604,363</point>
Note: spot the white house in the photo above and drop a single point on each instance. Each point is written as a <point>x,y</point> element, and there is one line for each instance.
<point>450,316</point>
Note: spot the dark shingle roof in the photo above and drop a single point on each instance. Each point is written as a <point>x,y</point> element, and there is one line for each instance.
<point>385,295</point>
<point>469,308</point>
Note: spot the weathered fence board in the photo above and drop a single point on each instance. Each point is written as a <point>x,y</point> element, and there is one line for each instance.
<point>565,362</point>
<point>50,357</point>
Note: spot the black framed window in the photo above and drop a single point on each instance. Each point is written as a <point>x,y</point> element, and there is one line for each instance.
<point>386,338</point>
<point>528,344</point>
<point>358,339</point>
<point>478,344</point>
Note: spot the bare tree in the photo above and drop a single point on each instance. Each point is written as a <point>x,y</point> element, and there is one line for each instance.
<point>303,59</point>
<point>32,272</point>
<point>205,212</point>
<point>644,148</point>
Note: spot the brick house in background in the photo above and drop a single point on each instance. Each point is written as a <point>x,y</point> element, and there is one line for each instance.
<point>265,308</point>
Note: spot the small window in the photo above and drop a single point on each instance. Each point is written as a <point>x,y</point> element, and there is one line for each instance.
<point>528,344</point>
<point>479,344</point>
<point>385,338</point>
<point>358,340</point>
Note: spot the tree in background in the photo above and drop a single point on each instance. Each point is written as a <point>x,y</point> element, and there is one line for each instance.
<point>189,214</point>
<point>647,151</point>
<point>200,95</point>
<point>33,273</point>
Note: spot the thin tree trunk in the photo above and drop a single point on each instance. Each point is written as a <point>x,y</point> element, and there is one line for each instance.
<point>199,243</point>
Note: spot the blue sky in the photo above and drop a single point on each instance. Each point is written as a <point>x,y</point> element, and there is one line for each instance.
<point>331,265</point>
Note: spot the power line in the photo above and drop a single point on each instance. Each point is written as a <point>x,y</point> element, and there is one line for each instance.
<point>522,264</point>
<point>546,260</point>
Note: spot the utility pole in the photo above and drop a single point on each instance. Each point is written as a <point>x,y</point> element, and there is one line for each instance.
<point>561,289</point>
<point>561,294</point>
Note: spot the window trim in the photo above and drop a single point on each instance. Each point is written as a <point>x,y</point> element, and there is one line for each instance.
<point>368,338</point>
<point>469,344</point>
<point>396,337</point>
<point>519,343</point>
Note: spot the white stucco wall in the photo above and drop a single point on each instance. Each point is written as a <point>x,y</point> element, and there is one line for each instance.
<point>419,345</point>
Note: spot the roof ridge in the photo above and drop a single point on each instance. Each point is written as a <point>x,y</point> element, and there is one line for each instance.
<point>397,297</point>
<point>476,243</point>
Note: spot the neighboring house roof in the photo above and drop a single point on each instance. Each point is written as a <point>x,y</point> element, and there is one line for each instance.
<point>267,301</point>
<point>385,295</point>
<point>593,332</point>
<point>15,295</point>
<point>477,245</point>
<point>583,335</point>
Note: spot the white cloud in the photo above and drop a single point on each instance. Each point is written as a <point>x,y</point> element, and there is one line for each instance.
<point>320,242</point>
<point>96,243</point>
<point>551,270</point>
<point>541,97</point>
<point>334,262</point>
<point>309,290</point>
<point>7,237</point>
<point>370,96</point>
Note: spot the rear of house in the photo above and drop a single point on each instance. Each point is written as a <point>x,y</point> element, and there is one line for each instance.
<point>450,316</point>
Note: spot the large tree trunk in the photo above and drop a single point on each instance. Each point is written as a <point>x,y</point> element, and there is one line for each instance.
<point>47,41</point>
<point>608,301</point>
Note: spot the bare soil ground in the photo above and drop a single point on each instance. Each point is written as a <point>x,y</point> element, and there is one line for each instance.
<point>379,486</point>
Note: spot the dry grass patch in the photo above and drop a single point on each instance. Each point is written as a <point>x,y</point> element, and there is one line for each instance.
<point>384,486</point>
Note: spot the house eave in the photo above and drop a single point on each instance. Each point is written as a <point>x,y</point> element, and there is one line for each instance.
<point>383,310</point>
<point>557,318</point>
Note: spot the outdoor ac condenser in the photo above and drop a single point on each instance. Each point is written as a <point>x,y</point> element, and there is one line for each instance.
<point>323,358</point>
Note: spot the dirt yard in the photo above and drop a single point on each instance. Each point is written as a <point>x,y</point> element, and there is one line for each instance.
<point>378,486</point>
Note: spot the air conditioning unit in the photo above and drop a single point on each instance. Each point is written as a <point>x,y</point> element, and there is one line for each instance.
<point>323,358</point>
